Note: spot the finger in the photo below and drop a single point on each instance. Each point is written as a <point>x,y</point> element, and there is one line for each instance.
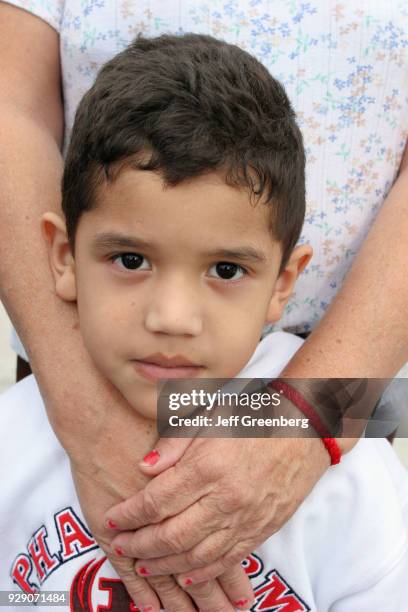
<point>205,553</point>
<point>202,574</point>
<point>166,495</point>
<point>140,592</point>
<point>209,597</point>
<point>234,582</point>
<point>237,587</point>
<point>172,536</point>
<point>167,452</point>
<point>218,568</point>
<point>172,596</point>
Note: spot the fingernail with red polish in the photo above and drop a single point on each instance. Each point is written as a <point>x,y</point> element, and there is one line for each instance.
<point>111,524</point>
<point>118,551</point>
<point>151,458</point>
<point>188,582</point>
<point>143,571</point>
<point>241,602</point>
<point>147,608</point>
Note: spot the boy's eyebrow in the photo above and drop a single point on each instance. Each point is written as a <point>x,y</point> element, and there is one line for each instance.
<point>245,253</point>
<point>113,240</point>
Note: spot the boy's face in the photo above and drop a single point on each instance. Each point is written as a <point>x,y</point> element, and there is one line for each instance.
<point>171,282</point>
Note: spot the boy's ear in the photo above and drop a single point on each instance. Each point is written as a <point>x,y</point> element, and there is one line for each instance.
<point>60,256</point>
<point>285,282</point>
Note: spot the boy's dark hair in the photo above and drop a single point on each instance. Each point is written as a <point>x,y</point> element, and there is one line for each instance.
<point>184,106</point>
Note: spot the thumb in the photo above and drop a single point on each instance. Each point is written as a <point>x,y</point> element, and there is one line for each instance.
<point>166,453</point>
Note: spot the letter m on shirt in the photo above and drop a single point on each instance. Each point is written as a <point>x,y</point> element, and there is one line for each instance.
<point>275,595</point>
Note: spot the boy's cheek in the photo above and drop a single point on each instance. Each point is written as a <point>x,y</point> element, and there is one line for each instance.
<point>99,307</point>
<point>237,350</point>
<point>100,333</point>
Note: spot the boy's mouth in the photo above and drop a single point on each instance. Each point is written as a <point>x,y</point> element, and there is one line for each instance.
<point>156,366</point>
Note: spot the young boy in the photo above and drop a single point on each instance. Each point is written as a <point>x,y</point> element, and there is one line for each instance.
<point>183,196</point>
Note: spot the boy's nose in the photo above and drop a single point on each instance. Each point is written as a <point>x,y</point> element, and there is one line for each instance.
<point>174,311</point>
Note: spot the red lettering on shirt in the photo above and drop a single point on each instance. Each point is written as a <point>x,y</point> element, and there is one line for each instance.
<point>82,590</point>
<point>40,555</point>
<point>118,596</point>
<point>276,595</point>
<point>252,565</point>
<point>20,571</point>
<point>75,538</point>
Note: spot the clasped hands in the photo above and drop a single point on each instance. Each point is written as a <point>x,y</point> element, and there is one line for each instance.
<point>198,518</point>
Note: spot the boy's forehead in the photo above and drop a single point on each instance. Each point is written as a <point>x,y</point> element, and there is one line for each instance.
<point>135,201</point>
<point>212,186</point>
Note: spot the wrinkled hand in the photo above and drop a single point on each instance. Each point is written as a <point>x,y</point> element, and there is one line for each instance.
<point>209,511</point>
<point>89,490</point>
<point>147,592</point>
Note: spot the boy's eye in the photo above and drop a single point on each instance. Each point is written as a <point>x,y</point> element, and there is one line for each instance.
<point>131,261</point>
<point>227,271</point>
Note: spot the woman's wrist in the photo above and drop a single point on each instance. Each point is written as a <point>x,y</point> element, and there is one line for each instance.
<point>346,444</point>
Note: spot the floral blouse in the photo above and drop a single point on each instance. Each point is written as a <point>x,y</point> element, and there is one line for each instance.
<point>345,67</point>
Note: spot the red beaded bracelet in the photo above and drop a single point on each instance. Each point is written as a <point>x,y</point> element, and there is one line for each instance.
<point>307,409</point>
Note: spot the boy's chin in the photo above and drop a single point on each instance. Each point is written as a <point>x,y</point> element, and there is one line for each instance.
<point>149,413</point>
<point>146,407</point>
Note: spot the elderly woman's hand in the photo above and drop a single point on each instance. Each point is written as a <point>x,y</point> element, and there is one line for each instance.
<point>209,511</point>
<point>230,591</point>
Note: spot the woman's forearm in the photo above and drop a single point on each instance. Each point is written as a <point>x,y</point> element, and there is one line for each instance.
<point>82,406</point>
<point>31,169</point>
<point>31,132</point>
<point>364,333</point>
<point>85,411</point>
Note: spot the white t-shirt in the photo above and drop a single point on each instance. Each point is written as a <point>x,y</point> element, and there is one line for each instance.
<point>344,550</point>
<point>344,66</point>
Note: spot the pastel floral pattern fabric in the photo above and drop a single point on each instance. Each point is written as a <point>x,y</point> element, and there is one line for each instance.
<point>344,65</point>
